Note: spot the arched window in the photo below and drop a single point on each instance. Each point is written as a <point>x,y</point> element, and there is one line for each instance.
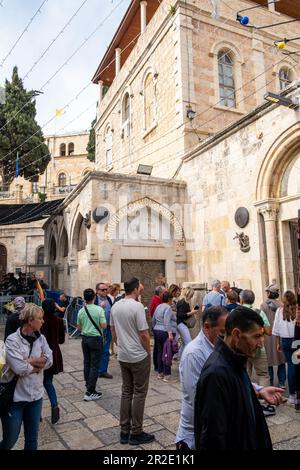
<point>82,238</point>
<point>226,80</point>
<point>126,116</point>
<point>149,101</point>
<point>71,148</point>
<point>62,180</point>
<point>40,255</point>
<point>108,145</point>
<point>62,150</point>
<point>285,78</point>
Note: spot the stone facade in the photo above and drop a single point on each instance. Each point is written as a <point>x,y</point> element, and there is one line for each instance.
<point>70,159</point>
<point>139,225</point>
<point>23,241</point>
<point>253,165</point>
<point>180,55</point>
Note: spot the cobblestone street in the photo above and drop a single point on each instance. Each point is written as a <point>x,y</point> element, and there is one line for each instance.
<point>95,425</point>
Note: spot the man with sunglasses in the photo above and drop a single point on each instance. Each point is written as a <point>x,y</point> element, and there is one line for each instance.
<point>104,301</point>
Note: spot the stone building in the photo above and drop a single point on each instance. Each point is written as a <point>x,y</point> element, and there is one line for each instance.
<point>173,75</point>
<point>22,245</point>
<point>68,165</point>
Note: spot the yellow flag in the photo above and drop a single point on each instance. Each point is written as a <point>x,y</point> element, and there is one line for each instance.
<point>58,112</point>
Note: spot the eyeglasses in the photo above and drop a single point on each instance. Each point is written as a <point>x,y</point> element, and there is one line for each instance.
<point>103,290</point>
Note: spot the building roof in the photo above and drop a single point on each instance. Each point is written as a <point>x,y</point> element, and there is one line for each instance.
<point>14,214</point>
<point>287,7</point>
<point>125,38</point>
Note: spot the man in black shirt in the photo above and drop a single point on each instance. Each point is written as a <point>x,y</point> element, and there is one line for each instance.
<point>228,415</point>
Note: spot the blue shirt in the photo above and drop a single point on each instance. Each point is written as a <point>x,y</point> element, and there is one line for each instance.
<point>106,308</point>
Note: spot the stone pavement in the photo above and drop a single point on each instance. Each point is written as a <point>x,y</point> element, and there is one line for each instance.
<point>95,425</point>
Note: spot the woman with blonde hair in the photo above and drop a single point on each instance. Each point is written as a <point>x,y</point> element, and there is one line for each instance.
<point>284,330</point>
<point>184,312</point>
<point>27,354</point>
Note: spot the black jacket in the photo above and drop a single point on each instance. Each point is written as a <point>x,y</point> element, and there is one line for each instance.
<point>224,417</point>
<point>12,324</point>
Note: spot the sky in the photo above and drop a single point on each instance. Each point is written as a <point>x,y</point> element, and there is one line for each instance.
<point>77,73</point>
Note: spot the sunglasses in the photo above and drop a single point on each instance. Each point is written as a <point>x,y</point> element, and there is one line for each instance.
<point>103,290</point>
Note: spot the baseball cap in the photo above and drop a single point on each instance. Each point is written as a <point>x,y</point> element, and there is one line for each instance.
<point>272,288</point>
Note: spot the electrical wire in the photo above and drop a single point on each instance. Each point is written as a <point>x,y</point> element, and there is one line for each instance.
<point>54,40</point>
<point>24,31</point>
<point>67,60</point>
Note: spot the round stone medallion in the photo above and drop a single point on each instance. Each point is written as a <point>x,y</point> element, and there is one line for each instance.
<point>241,217</point>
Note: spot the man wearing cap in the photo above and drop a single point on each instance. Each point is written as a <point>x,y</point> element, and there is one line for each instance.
<point>13,322</point>
<point>275,358</point>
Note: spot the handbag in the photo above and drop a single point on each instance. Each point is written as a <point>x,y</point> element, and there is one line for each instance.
<point>191,321</point>
<point>7,391</point>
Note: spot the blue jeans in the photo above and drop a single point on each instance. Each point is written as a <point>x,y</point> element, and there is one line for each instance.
<point>105,351</point>
<point>49,387</point>
<point>22,411</point>
<point>281,374</point>
<point>287,351</point>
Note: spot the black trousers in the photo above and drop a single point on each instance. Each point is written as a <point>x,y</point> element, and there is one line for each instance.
<point>91,348</point>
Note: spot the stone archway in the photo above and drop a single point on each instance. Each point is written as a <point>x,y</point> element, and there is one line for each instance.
<point>278,208</point>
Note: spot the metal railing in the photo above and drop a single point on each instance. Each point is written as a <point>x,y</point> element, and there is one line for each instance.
<point>6,304</point>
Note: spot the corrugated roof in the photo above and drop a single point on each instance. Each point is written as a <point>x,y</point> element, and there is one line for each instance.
<point>11,214</point>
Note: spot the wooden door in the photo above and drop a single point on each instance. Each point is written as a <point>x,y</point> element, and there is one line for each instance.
<point>3,261</point>
<point>150,273</point>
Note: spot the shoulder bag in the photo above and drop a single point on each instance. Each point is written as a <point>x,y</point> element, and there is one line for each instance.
<point>94,323</point>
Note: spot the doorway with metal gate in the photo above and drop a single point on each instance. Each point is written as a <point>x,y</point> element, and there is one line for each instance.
<point>150,273</point>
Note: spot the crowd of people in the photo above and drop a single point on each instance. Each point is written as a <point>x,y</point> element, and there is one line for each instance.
<point>23,284</point>
<point>226,372</point>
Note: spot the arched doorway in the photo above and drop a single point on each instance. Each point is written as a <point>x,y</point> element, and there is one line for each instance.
<point>3,261</point>
<point>278,195</point>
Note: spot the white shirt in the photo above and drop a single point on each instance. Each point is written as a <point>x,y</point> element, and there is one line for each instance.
<point>281,327</point>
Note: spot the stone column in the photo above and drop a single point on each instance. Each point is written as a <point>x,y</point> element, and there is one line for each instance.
<point>143,5</point>
<point>100,92</point>
<point>271,6</point>
<point>118,60</point>
<point>270,213</point>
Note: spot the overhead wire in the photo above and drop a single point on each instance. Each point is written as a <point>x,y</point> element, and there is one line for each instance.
<point>23,32</point>
<point>67,60</point>
<point>151,143</point>
<point>54,40</point>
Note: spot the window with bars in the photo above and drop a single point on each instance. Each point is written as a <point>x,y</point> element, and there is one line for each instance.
<point>62,180</point>
<point>226,80</point>
<point>40,255</point>
<point>284,78</point>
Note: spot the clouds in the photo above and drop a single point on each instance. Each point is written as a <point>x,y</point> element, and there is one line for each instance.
<point>15,14</point>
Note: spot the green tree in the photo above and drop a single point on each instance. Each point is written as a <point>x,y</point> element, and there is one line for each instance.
<point>92,142</point>
<point>18,124</point>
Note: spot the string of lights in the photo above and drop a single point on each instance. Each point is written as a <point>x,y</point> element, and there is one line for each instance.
<point>23,32</point>
<point>54,40</point>
<point>67,60</point>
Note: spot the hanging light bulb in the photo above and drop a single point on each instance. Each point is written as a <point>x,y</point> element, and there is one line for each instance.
<point>243,20</point>
<point>280,44</point>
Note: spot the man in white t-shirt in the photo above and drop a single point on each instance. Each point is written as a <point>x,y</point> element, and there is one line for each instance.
<point>131,334</point>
